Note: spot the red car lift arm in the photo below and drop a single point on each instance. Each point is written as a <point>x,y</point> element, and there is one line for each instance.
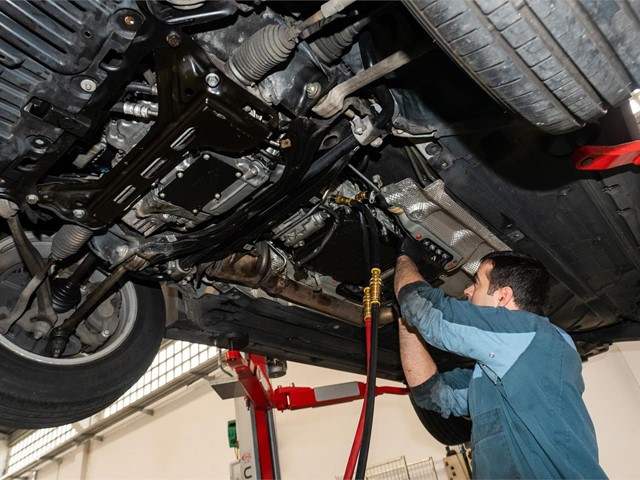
<point>253,378</point>
<point>592,157</point>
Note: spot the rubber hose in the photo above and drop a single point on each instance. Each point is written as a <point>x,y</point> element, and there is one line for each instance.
<point>373,348</point>
<point>372,228</point>
<point>141,87</point>
<point>316,251</point>
<point>357,440</point>
<point>371,393</point>
<point>366,244</point>
<point>332,156</point>
<point>117,108</point>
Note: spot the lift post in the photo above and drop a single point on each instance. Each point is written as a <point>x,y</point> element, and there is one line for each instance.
<point>261,399</point>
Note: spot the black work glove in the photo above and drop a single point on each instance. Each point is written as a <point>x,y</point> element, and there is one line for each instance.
<point>427,266</point>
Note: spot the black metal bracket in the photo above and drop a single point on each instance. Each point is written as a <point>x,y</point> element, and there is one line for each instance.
<point>193,115</point>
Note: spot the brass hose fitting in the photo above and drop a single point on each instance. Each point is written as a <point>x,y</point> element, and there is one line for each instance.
<point>376,286</point>
<point>366,302</point>
<point>361,196</point>
<point>340,200</point>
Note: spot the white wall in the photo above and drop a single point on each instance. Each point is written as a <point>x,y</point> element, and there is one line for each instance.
<point>187,437</point>
<point>612,395</point>
<point>315,443</point>
<point>4,451</point>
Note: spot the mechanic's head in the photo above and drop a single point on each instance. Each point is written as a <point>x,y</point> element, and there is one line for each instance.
<point>512,280</point>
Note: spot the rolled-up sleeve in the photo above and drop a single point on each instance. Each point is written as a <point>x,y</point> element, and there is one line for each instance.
<point>445,393</point>
<point>492,336</point>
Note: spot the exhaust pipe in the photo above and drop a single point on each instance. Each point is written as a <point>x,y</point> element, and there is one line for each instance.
<point>255,272</point>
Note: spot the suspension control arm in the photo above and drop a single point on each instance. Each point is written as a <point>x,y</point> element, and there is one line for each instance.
<point>333,101</point>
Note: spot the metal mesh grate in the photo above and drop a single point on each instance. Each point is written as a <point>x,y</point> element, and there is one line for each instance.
<point>399,469</point>
<point>423,470</point>
<point>390,470</point>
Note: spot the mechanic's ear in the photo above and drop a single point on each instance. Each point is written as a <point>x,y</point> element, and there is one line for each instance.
<point>505,296</point>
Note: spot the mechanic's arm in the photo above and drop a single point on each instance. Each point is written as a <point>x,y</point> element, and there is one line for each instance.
<point>406,273</point>
<point>417,364</point>
<point>493,336</point>
<point>445,393</point>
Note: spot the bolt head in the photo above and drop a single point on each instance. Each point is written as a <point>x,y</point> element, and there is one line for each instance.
<point>180,174</point>
<point>433,149</point>
<point>359,131</point>
<point>32,199</point>
<point>122,250</point>
<point>174,40</point>
<point>238,174</point>
<point>129,21</point>
<point>216,196</point>
<point>206,156</point>
<point>194,211</point>
<point>212,79</point>
<point>88,85</point>
<point>79,212</point>
<point>162,195</point>
<point>313,89</point>
<point>377,142</point>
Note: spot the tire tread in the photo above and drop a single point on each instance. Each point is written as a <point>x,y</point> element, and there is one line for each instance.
<point>35,401</point>
<point>561,70</point>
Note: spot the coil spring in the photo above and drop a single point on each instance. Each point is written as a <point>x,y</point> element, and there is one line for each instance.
<point>68,240</point>
<point>263,51</point>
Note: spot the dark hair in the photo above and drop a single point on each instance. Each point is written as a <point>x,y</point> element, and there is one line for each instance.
<point>526,276</point>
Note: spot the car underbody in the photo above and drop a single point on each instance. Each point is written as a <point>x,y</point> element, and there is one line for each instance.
<point>229,152</point>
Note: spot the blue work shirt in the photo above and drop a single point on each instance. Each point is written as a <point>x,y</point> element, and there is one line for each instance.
<point>524,395</point>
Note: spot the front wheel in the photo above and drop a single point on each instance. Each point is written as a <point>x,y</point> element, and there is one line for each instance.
<point>39,391</point>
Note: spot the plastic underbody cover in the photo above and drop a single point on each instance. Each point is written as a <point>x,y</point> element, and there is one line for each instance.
<point>433,217</point>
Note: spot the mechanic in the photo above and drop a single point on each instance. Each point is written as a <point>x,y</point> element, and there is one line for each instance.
<point>524,395</point>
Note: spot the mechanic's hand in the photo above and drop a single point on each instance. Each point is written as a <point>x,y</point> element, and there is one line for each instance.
<point>412,249</point>
<point>427,267</point>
